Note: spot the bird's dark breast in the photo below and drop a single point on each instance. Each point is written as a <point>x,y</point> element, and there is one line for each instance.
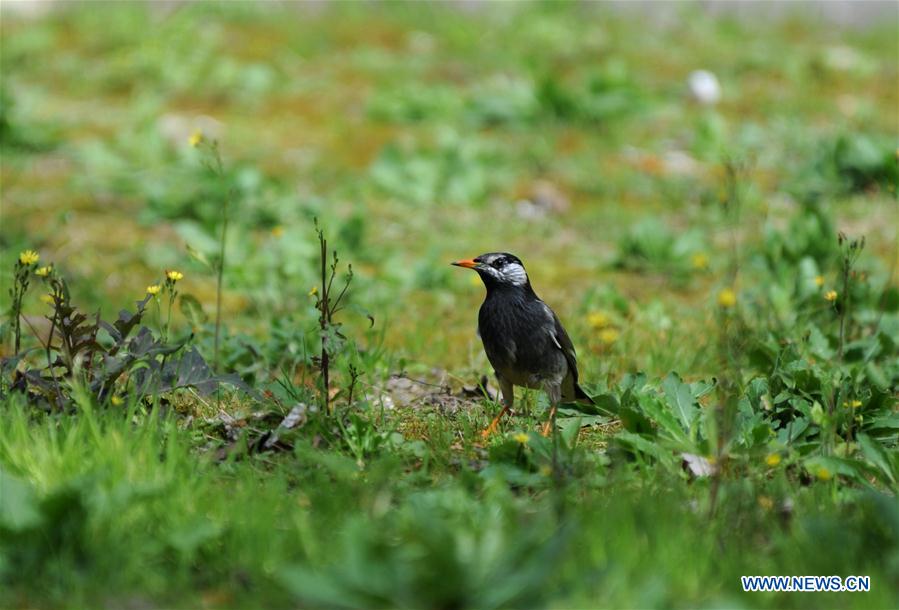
<point>518,340</point>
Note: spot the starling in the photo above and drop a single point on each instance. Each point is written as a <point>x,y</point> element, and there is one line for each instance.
<point>523,338</point>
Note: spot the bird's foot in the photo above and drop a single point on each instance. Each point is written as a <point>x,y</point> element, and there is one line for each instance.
<point>548,426</point>
<point>491,429</point>
<point>494,425</point>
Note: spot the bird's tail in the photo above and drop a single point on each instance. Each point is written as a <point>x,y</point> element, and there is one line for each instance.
<point>581,396</point>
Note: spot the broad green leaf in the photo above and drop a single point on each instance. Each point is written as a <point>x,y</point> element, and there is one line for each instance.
<point>875,453</point>
<point>192,309</point>
<point>825,467</point>
<point>638,443</point>
<point>666,420</point>
<point>792,430</point>
<point>680,400</point>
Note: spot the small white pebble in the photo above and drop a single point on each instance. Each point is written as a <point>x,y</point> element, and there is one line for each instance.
<point>704,87</point>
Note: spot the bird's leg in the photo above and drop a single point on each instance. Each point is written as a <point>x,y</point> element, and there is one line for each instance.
<point>551,422</point>
<point>554,393</point>
<point>508,400</point>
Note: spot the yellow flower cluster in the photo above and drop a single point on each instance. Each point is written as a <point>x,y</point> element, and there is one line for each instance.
<point>154,289</point>
<point>601,321</point>
<point>852,404</point>
<point>196,138</point>
<point>29,257</point>
<point>521,438</point>
<point>772,459</point>
<point>598,319</point>
<point>608,336</point>
<point>819,280</point>
<point>700,261</point>
<point>43,271</point>
<point>173,275</point>
<point>727,298</point>
<point>830,295</point>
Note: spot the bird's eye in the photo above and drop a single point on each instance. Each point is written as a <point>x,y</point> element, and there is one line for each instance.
<point>498,263</point>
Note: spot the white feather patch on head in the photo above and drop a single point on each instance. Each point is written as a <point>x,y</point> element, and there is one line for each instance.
<point>492,272</point>
<point>515,274</point>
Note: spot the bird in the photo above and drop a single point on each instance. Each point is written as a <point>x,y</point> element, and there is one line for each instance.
<point>525,342</point>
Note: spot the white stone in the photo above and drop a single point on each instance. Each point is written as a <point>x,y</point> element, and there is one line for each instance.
<point>704,87</point>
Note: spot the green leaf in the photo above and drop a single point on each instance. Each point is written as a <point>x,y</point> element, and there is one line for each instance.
<point>198,256</point>
<point>876,454</point>
<point>192,309</point>
<point>886,422</point>
<point>792,430</point>
<point>853,469</point>
<point>638,443</point>
<point>876,376</point>
<point>570,426</point>
<point>666,420</point>
<point>680,399</point>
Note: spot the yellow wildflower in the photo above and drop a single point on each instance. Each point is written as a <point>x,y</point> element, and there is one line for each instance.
<point>196,138</point>
<point>314,291</point>
<point>824,474</point>
<point>727,298</point>
<point>608,336</point>
<point>700,261</point>
<point>29,257</point>
<point>852,404</point>
<point>522,438</point>
<point>174,276</point>
<point>43,271</point>
<point>819,280</point>
<point>116,401</point>
<point>831,295</point>
<point>545,471</point>
<point>48,299</point>
<point>598,319</point>
<point>772,459</point>
<point>154,289</point>
<point>766,503</point>
<point>277,231</point>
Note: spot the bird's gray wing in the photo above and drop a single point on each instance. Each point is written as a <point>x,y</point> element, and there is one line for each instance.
<point>565,344</point>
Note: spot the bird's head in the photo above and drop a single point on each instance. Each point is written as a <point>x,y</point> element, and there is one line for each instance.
<point>497,269</point>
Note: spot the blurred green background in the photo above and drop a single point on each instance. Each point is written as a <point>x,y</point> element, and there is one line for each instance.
<point>420,134</point>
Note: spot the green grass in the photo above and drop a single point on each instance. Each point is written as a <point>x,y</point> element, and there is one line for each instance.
<point>413,133</point>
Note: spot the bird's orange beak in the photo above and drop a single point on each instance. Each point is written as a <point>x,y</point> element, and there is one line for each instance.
<point>468,263</point>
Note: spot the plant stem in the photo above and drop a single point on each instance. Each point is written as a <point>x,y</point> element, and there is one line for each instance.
<point>17,321</point>
<point>20,286</point>
<point>845,308</point>
<point>168,317</point>
<point>324,322</point>
<point>218,285</point>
